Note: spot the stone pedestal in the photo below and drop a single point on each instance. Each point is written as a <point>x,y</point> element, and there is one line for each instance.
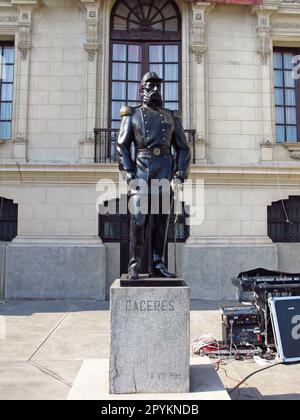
<point>150,337</point>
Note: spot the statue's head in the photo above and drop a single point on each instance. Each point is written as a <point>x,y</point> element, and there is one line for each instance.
<point>151,90</point>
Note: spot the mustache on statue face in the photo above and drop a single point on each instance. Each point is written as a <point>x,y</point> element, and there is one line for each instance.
<point>153,97</point>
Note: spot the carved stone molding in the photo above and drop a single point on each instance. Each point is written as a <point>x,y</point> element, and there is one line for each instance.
<point>24,41</point>
<point>264,39</point>
<point>264,42</point>
<point>294,149</point>
<point>200,12</point>
<point>267,144</point>
<point>91,8</point>
<point>199,51</point>
<point>20,139</point>
<point>26,9</point>
<point>295,155</point>
<point>92,50</point>
<point>285,25</point>
<point>8,19</point>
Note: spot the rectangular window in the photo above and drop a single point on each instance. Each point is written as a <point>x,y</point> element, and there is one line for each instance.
<point>164,60</point>
<point>130,62</point>
<point>126,76</point>
<point>287,98</point>
<point>7,58</point>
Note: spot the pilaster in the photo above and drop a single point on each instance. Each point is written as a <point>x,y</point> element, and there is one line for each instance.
<point>92,46</point>
<point>198,50</point>
<point>264,50</point>
<point>26,9</point>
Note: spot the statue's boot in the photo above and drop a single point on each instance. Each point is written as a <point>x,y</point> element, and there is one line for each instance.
<point>134,269</point>
<point>159,269</point>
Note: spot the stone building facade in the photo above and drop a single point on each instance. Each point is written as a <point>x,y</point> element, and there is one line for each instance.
<point>58,87</point>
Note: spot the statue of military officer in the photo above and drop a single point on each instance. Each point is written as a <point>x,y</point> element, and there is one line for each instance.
<point>153,130</point>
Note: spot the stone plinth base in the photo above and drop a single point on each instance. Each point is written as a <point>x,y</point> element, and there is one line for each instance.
<point>150,338</point>
<point>92,384</point>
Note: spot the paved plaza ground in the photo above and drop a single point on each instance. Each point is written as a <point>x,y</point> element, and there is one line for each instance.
<point>46,343</point>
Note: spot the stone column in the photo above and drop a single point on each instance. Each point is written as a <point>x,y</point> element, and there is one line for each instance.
<point>91,8</point>
<point>26,9</point>
<point>198,50</point>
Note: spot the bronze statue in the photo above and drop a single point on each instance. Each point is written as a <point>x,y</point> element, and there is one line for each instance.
<point>154,131</point>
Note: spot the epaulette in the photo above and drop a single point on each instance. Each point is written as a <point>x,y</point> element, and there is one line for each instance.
<point>177,114</point>
<point>125,111</point>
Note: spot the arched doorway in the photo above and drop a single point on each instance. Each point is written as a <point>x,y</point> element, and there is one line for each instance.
<point>145,36</point>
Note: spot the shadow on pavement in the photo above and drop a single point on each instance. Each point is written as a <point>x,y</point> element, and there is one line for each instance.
<point>207,305</point>
<point>252,393</point>
<point>27,308</point>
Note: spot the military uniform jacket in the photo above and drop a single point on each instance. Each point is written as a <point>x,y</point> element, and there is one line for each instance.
<point>149,129</point>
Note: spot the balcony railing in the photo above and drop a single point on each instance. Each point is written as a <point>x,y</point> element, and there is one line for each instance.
<point>106,144</point>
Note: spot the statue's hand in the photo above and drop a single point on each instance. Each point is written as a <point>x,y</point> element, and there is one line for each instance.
<point>177,185</point>
<point>131,176</point>
<point>179,176</point>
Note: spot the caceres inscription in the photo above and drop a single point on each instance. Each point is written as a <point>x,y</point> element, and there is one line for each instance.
<point>150,306</point>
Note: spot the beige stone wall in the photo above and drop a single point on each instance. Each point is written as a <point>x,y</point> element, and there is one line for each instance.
<point>57,76</point>
<point>54,210</point>
<point>234,99</point>
<point>238,213</point>
<point>226,96</point>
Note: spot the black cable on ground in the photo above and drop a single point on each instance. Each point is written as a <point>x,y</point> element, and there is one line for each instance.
<point>252,374</point>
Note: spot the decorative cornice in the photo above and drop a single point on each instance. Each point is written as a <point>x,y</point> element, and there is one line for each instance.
<point>31,3</point>
<point>92,173</point>
<point>8,19</point>
<point>285,25</point>
<point>289,7</point>
<point>226,241</point>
